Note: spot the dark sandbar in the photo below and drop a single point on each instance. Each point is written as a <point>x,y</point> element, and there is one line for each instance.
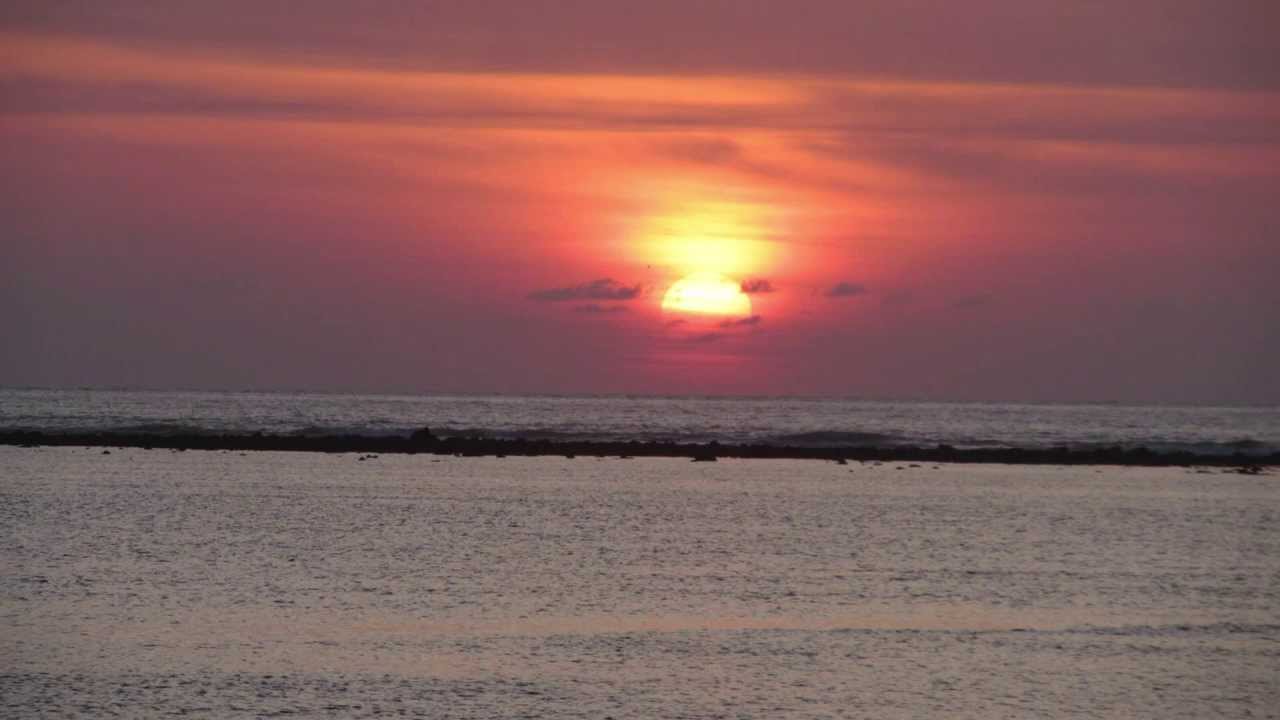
<point>424,442</point>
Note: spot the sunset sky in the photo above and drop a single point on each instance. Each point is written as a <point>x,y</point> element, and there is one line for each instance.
<point>984,200</point>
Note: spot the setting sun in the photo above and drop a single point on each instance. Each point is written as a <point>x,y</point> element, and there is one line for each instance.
<point>707,293</point>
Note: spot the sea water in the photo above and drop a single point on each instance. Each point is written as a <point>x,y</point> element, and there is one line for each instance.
<point>219,584</point>
<point>779,421</point>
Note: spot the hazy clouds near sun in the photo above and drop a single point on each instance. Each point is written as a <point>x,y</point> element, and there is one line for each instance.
<point>463,196</point>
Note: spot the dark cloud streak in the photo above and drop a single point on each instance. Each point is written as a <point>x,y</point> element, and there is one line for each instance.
<point>845,289</point>
<point>598,309</point>
<point>602,289</point>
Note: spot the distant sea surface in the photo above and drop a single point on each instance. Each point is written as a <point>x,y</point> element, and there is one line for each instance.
<point>777,421</point>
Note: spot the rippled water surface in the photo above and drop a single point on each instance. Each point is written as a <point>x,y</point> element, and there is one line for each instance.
<point>154,583</point>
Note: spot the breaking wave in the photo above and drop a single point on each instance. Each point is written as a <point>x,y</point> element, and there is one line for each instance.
<point>838,438</point>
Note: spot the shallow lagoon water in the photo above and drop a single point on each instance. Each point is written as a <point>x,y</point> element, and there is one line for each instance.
<point>226,585</point>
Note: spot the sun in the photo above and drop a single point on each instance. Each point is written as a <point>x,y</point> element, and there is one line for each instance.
<point>707,293</point>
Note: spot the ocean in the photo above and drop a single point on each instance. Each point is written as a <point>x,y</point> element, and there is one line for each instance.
<point>149,583</point>
<point>775,421</point>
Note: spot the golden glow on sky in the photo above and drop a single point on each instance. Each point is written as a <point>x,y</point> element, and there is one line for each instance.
<point>728,237</point>
<point>707,293</point>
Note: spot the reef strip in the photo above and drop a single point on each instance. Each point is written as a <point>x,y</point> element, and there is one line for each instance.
<point>423,442</point>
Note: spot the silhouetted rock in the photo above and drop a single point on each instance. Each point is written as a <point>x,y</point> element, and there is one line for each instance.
<point>422,436</point>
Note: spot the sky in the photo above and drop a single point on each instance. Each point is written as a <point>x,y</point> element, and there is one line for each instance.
<point>995,200</point>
